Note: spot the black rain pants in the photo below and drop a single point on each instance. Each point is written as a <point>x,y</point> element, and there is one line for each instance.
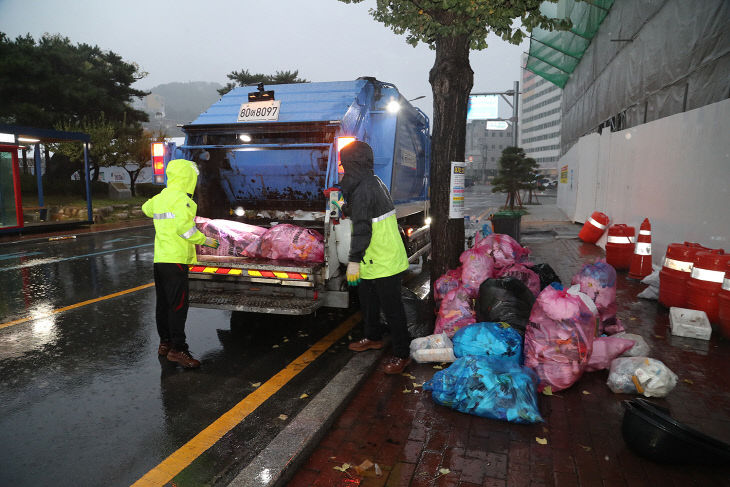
<point>385,293</point>
<point>171,286</point>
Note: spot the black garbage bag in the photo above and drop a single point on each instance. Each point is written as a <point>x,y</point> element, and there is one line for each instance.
<point>506,299</point>
<point>418,319</point>
<point>546,274</point>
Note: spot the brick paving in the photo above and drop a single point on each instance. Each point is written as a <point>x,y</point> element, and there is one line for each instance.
<point>417,443</point>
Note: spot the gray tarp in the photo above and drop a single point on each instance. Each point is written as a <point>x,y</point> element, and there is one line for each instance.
<point>650,59</point>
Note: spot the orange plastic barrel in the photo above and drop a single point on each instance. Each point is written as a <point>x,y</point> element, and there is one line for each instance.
<point>593,228</point>
<point>706,279</point>
<point>676,272</point>
<point>620,246</point>
<point>723,303</point>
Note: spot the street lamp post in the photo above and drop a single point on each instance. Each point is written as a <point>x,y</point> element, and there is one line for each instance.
<point>514,93</point>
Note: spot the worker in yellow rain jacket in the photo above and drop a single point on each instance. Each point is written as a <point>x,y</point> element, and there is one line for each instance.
<point>173,211</point>
<point>377,255</point>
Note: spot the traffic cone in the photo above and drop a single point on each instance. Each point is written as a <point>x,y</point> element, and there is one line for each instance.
<point>641,261</point>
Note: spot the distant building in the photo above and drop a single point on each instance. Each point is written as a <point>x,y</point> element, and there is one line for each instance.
<point>483,149</point>
<point>539,120</point>
<point>154,105</point>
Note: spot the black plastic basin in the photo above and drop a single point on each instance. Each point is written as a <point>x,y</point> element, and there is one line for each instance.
<point>652,433</point>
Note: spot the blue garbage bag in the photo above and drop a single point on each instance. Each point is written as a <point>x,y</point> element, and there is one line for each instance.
<point>487,387</point>
<point>489,339</point>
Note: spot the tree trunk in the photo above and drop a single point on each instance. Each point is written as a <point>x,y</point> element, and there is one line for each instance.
<point>451,80</point>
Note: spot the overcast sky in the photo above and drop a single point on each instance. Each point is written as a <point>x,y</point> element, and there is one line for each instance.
<point>193,40</point>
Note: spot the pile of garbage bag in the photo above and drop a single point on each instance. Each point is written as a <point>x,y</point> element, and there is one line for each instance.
<point>288,242</point>
<point>514,331</point>
<point>233,237</point>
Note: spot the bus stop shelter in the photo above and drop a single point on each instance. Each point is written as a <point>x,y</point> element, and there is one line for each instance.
<point>13,214</point>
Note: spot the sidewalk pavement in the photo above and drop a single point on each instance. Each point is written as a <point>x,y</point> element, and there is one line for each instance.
<point>415,442</point>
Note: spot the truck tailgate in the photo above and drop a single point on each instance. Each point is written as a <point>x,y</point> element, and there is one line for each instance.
<point>255,285</point>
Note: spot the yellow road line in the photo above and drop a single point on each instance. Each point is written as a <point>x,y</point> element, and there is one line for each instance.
<point>179,460</point>
<point>77,305</point>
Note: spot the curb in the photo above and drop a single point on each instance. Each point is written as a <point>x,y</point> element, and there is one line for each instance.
<point>280,460</point>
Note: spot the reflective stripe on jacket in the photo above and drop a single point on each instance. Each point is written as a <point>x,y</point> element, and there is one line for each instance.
<point>173,212</point>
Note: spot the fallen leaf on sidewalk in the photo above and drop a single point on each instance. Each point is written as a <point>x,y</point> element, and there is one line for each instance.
<point>286,340</point>
<point>406,374</point>
<point>548,391</point>
<point>444,471</point>
<point>586,448</point>
<point>343,468</point>
<point>304,396</point>
<point>406,390</point>
<point>542,441</point>
<point>586,393</point>
<point>364,466</point>
<point>659,336</point>
<point>255,384</point>
<point>283,417</point>
<point>275,346</point>
<point>632,318</point>
<point>688,381</point>
<point>437,367</point>
<point>416,384</point>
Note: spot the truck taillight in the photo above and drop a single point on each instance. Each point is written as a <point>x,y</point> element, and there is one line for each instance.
<point>158,156</point>
<point>342,142</point>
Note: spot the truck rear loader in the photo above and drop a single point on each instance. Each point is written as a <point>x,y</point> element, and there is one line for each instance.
<point>270,154</point>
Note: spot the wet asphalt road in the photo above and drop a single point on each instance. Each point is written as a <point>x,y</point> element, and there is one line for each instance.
<point>84,399</point>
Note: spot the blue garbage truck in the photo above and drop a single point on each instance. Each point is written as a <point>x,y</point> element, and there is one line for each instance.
<point>270,154</point>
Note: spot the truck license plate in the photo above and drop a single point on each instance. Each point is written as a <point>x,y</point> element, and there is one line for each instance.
<point>259,110</point>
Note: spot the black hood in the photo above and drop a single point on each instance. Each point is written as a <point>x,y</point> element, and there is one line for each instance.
<point>357,162</point>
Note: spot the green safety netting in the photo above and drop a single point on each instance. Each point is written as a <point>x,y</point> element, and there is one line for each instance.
<point>554,55</point>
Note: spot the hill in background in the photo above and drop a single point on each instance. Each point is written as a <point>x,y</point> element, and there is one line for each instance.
<point>170,104</point>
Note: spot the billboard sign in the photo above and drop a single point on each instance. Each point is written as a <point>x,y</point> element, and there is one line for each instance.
<point>482,107</point>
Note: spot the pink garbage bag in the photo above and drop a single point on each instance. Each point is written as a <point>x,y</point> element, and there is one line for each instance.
<point>456,312</point>
<point>233,237</point>
<point>502,248</point>
<point>476,267</point>
<point>559,338</point>
<point>605,349</point>
<point>598,281</point>
<point>288,242</point>
<point>528,277</point>
<point>448,282</point>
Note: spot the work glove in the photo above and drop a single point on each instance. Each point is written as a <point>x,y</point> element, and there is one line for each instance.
<point>353,273</point>
<point>211,242</point>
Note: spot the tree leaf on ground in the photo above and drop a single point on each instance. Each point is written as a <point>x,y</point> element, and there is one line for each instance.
<point>255,384</point>
<point>437,367</point>
<point>586,448</point>
<point>586,393</point>
<point>283,417</point>
<point>548,391</point>
<point>688,381</point>
<point>406,391</point>
<point>542,441</point>
<point>343,468</point>
<point>304,396</point>
<point>444,471</point>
